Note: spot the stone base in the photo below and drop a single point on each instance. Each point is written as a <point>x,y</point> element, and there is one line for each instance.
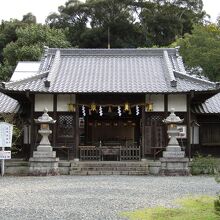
<point>174,167</point>
<point>173,154</point>
<point>44,148</point>
<point>43,164</point>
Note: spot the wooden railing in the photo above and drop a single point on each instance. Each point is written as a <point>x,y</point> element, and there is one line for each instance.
<point>130,152</point>
<point>89,153</point>
<point>127,152</point>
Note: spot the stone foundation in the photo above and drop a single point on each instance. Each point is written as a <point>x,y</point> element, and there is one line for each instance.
<point>174,166</point>
<point>43,166</point>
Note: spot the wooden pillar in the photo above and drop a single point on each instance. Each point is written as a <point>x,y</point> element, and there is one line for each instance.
<point>166,104</point>
<point>55,118</point>
<point>76,153</point>
<point>143,132</point>
<point>188,124</point>
<point>166,113</point>
<point>33,135</point>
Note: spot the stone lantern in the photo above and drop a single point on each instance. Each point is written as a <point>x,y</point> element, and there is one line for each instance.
<point>44,161</point>
<point>45,120</point>
<point>173,161</point>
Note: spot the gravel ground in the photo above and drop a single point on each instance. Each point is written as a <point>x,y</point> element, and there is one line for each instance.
<point>93,197</point>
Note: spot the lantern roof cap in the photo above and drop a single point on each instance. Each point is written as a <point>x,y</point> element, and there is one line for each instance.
<point>172,118</point>
<point>45,118</point>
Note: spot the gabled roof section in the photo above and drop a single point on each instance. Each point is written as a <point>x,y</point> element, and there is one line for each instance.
<point>8,105</point>
<point>152,70</point>
<point>210,106</point>
<point>25,69</point>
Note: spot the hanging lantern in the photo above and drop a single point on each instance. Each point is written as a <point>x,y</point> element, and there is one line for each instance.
<point>149,104</point>
<point>149,107</point>
<point>126,108</point>
<point>93,107</point>
<point>71,107</point>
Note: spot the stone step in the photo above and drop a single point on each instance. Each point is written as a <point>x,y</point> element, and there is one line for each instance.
<point>108,168</point>
<point>109,164</point>
<point>108,173</point>
<point>112,168</point>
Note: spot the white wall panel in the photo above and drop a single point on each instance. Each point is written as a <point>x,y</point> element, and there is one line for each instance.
<point>42,101</point>
<point>158,103</point>
<point>179,102</point>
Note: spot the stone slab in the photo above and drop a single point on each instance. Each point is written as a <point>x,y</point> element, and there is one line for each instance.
<point>44,148</point>
<point>44,159</point>
<point>43,154</point>
<point>174,148</point>
<point>173,154</point>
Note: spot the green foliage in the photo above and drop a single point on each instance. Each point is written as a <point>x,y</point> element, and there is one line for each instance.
<point>29,45</point>
<point>217,205</point>
<point>8,33</point>
<point>195,208</point>
<point>5,71</point>
<point>132,23</point>
<point>204,165</point>
<point>29,18</point>
<point>202,49</point>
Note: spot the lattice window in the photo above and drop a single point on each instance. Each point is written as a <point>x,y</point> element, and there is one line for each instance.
<point>155,118</point>
<point>65,126</point>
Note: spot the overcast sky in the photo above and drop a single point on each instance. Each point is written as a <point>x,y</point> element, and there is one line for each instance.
<point>42,8</point>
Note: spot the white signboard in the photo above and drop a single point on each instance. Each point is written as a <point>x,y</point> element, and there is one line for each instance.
<point>5,155</point>
<point>6,130</point>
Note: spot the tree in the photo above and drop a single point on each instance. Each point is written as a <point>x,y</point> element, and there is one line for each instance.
<point>29,45</point>
<point>72,18</point>
<point>202,49</point>
<point>131,23</point>
<point>8,33</point>
<point>163,21</point>
<point>29,18</point>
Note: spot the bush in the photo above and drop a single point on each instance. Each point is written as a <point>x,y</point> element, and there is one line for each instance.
<point>217,201</point>
<point>217,205</point>
<point>204,165</point>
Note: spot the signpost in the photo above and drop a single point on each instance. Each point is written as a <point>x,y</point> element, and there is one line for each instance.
<point>6,131</point>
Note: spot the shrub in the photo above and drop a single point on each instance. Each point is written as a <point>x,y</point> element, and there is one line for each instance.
<point>217,201</point>
<point>204,165</point>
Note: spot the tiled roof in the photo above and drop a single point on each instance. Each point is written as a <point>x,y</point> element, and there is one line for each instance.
<point>211,105</point>
<point>8,105</point>
<point>111,70</point>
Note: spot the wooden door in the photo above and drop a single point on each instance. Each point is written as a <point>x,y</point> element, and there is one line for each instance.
<point>154,132</point>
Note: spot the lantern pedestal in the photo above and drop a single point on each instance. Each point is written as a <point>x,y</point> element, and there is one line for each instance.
<point>173,162</point>
<point>44,161</point>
